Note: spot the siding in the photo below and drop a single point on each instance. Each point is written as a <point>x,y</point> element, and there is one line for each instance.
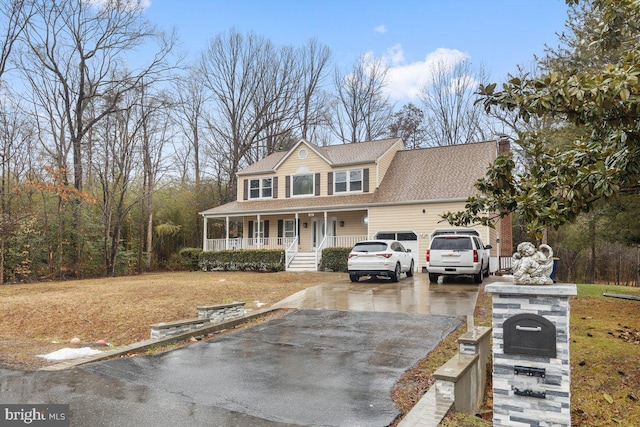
<point>313,164</point>
<point>391,218</point>
<point>377,174</point>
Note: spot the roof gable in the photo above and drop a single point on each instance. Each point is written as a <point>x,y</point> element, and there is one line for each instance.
<point>334,155</point>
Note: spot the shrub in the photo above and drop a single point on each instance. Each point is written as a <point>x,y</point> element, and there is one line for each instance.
<point>190,258</point>
<point>335,259</point>
<point>267,260</point>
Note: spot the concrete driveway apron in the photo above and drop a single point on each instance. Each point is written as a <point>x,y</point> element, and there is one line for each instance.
<point>332,362</point>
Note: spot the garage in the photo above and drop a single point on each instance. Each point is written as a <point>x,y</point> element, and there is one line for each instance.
<point>409,240</point>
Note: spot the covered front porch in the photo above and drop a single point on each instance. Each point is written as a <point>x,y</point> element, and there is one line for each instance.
<point>301,234</point>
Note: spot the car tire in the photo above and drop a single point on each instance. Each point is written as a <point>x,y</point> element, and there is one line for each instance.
<point>395,276</point>
<point>354,277</point>
<point>477,278</point>
<point>433,277</point>
<point>410,272</point>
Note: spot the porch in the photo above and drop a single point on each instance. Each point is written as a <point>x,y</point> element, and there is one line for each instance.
<point>303,236</point>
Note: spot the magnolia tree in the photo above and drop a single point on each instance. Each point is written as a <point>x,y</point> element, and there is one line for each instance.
<point>603,102</point>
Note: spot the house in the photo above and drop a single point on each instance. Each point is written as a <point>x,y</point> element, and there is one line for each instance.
<point>311,197</point>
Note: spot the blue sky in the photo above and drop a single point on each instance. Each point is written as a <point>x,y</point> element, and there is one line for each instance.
<point>496,34</point>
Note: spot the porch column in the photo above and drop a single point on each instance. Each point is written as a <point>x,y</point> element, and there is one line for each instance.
<point>325,225</point>
<point>204,235</point>
<point>297,227</point>
<point>257,233</point>
<point>226,243</point>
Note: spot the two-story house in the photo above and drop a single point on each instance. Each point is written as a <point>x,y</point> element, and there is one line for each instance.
<point>311,197</point>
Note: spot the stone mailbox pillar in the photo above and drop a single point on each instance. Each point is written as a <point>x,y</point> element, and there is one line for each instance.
<point>531,370</point>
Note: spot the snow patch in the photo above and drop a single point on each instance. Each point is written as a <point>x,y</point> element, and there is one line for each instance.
<point>70,353</point>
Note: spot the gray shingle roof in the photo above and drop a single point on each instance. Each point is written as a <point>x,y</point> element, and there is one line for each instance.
<point>428,174</point>
<point>436,173</point>
<point>337,155</point>
<point>292,203</point>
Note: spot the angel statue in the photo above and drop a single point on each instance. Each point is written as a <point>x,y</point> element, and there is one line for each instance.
<point>531,266</point>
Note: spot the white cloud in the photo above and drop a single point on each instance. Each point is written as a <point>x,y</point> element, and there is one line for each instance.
<point>380,29</point>
<point>406,80</point>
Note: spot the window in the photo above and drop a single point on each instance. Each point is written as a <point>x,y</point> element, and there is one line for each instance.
<point>260,188</point>
<point>289,228</point>
<point>348,181</point>
<point>258,230</point>
<point>302,185</point>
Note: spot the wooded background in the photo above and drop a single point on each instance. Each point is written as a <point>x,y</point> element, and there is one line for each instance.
<point>111,142</point>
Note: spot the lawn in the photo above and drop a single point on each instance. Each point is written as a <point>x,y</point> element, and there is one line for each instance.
<point>39,318</point>
<point>42,317</point>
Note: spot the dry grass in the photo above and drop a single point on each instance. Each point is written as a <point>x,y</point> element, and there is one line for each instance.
<point>39,318</point>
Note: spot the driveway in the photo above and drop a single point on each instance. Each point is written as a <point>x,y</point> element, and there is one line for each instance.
<point>333,362</point>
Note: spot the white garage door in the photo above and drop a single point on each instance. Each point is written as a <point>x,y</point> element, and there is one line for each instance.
<point>409,240</point>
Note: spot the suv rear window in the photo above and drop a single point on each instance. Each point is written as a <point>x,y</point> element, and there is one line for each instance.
<point>370,247</point>
<point>452,243</point>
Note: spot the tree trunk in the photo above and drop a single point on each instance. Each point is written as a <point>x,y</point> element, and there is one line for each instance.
<point>591,265</point>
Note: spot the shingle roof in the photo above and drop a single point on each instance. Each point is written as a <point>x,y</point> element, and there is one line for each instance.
<point>337,155</point>
<point>436,173</point>
<point>266,165</point>
<point>428,174</point>
<point>359,152</point>
<point>291,203</point>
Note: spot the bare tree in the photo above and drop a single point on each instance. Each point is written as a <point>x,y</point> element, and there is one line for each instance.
<point>80,47</point>
<point>314,103</point>
<point>252,89</point>
<point>190,116</point>
<point>408,124</point>
<point>14,17</point>
<point>452,117</point>
<point>361,109</point>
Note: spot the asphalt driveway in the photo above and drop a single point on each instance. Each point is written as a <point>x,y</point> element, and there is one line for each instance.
<point>320,367</point>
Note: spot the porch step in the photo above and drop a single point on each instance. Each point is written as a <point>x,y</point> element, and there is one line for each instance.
<point>303,261</point>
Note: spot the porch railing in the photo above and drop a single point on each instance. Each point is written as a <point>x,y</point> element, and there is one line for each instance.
<point>320,247</point>
<point>278,242</point>
<point>291,252</point>
<point>247,243</point>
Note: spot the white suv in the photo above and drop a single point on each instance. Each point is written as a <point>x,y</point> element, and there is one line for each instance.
<point>457,255</point>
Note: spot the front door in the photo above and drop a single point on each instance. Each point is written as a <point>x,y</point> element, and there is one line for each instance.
<point>318,233</point>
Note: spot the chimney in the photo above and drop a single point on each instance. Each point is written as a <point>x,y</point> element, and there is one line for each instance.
<point>504,145</point>
<point>505,228</point>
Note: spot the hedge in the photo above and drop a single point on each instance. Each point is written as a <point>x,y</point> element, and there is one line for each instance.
<point>267,260</point>
<point>190,258</point>
<point>335,259</point>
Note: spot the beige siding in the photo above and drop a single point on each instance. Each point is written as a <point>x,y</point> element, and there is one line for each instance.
<point>383,165</point>
<point>312,164</point>
<point>422,219</point>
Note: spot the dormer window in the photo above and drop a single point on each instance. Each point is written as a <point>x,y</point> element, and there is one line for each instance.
<point>348,181</point>
<point>260,188</point>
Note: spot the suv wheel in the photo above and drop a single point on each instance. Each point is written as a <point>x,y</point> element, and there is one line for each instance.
<point>395,276</point>
<point>410,272</point>
<point>478,277</point>
<point>433,277</point>
<point>354,277</point>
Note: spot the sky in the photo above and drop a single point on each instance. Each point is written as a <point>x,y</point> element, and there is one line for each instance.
<point>497,35</point>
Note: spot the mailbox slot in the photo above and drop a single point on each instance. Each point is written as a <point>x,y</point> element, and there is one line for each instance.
<point>529,334</point>
<point>530,393</point>
<point>530,372</point>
